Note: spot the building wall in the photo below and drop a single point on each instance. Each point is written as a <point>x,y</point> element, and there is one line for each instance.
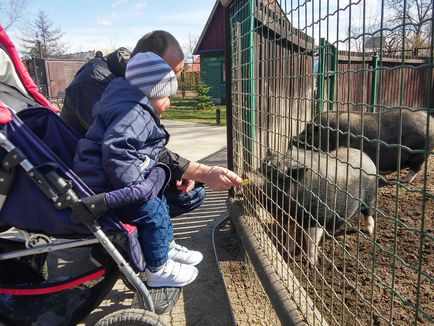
<point>214,37</point>
<point>53,76</point>
<point>60,73</point>
<point>212,73</point>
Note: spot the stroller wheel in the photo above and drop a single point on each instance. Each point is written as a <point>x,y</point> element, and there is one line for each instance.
<point>163,298</point>
<point>131,317</point>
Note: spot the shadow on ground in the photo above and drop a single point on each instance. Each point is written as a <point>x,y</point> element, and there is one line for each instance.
<point>204,302</point>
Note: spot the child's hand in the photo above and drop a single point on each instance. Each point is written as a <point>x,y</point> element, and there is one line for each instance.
<point>185,185</point>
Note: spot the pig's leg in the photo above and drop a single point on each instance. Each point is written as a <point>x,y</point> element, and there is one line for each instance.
<point>368,213</point>
<point>414,162</point>
<point>409,177</point>
<point>369,224</point>
<point>314,236</point>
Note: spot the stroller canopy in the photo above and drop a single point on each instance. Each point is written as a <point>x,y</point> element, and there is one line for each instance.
<point>17,89</point>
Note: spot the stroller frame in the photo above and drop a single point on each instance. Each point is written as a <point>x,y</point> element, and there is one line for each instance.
<point>72,218</point>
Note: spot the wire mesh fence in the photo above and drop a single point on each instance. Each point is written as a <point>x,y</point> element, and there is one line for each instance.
<point>332,116</point>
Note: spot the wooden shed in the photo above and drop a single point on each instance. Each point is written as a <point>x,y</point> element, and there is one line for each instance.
<point>210,47</point>
<point>272,76</point>
<point>54,74</point>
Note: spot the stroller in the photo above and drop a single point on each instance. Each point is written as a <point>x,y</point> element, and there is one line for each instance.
<point>61,250</point>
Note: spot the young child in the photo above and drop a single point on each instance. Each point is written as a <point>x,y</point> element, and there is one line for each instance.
<point>122,147</point>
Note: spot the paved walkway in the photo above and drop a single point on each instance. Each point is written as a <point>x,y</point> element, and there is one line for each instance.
<point>204,301</point>
<point>195,141</point>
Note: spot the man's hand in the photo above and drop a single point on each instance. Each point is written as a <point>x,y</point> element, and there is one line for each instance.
<point>215,177</point>
<point>185,185</point>
<point>219,178</point>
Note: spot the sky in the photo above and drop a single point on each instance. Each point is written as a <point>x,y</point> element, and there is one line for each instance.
<point>331,19</point>
<point>109,24</point>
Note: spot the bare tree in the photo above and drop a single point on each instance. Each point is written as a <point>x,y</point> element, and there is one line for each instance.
<point>113,43</point>
<point>415,17</point>
<point>405,25</point>
<point>41,39</point>
<point>11,12</point>
<point>189,46</point>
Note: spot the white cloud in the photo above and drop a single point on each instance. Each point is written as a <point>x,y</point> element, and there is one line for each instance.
<point>118,3</point>
<point>140,6</point>
<point>104,22</point>
<point>200,17</point>
<point>136,13</point>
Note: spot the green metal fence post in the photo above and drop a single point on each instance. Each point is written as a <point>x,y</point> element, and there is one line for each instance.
<point>374,82</point>
<point>332,78</point>
<point>249,82</point>
<point>321,74</point>
<point>252,70</point>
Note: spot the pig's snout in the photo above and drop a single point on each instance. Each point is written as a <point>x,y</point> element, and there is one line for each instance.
<point>256,178</point>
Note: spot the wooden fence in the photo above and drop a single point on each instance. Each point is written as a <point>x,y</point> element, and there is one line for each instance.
<point>370,83</point>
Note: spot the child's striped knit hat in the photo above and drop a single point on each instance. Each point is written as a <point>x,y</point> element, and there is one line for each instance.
<point>152,75</point>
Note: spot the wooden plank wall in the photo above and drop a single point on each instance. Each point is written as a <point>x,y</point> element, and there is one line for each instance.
<point>399,84</point>
<point>284,88</point>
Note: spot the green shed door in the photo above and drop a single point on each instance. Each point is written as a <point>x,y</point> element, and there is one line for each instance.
<point>211,71</point>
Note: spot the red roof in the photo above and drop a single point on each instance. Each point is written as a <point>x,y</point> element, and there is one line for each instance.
<point>194,67</point>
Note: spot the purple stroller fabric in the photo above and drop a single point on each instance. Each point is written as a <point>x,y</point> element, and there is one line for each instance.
<point>45,138</point>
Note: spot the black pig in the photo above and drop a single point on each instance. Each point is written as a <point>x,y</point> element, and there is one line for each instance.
<point>350,128</point>
<point>319,190</point>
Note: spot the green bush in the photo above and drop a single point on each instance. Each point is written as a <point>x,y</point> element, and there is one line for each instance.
<point>203,99</point>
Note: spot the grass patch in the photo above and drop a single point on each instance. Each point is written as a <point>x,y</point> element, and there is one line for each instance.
<point>185,110</point>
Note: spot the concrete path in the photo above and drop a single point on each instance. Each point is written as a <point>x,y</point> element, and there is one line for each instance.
<point>195,141</point>
<point>203,302</point>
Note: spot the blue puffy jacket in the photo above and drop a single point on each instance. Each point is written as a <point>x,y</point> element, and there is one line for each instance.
<point>124,141</point>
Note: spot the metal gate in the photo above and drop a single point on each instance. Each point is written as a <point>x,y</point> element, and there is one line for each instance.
<point>332,122</point>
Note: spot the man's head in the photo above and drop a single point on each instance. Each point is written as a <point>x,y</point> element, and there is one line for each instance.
<point>154,77</point>
<point>117,61</point>
<point>165,45</point>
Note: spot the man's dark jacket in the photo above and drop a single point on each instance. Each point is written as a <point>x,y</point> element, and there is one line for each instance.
<point>86,89</point>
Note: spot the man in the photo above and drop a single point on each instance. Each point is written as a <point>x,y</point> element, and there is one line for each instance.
<point>99,55</point>
<point>86,89</point>
<point>183,194</point>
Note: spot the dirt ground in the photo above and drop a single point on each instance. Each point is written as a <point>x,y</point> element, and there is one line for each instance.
<point>359,280</point>
<point>383,287</point>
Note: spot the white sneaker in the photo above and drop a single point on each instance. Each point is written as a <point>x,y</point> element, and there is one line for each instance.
<point>172,274</point>
<point>182,255</point>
